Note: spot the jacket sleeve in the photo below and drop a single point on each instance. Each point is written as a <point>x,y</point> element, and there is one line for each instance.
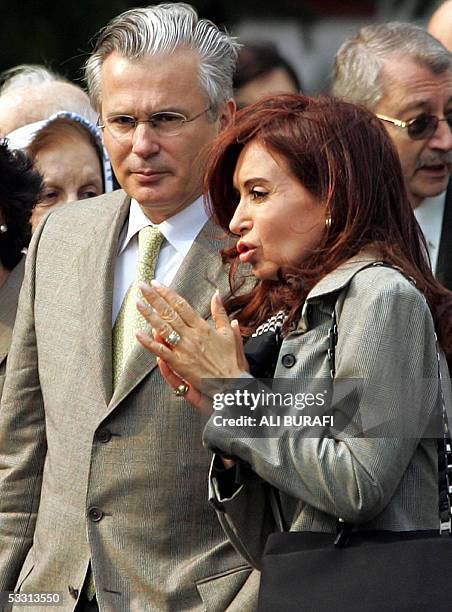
<point>386,350</point>
<point>22,435</point>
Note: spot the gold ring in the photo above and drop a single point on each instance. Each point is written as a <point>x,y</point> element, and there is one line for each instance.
<point>181,390</point>
<point>173,338</point>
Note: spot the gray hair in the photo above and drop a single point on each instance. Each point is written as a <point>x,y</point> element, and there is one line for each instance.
<point>360,60</point>
<point>162,29</point>
<point>25,75</point>
<point>32,92</point>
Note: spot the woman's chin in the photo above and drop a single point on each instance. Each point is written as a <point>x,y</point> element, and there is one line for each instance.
<point>265,272</point>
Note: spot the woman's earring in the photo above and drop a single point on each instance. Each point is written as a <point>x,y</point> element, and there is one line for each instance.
<point>328,221</point>
<point>3,228</point>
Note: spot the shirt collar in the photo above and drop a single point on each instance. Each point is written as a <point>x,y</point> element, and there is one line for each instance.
<point>180,230</point>
<point>429,215</point>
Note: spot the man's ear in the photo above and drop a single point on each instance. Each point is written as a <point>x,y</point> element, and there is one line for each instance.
<point>227,114</point>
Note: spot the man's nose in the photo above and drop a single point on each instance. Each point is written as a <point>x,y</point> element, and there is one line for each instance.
<point>442,138</point>
<point>145,141</point>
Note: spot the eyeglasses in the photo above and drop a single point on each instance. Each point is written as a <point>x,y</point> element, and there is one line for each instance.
<point>165,123</point>
<point>422,127</point>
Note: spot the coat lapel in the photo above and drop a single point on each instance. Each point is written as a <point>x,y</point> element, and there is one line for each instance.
<point>96,268</point>
<point>444,265</point>
<point>196,280</point>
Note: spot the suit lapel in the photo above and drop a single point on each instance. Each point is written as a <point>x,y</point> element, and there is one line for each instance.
<point>96,268</point>
<point>444,265</point>
<point>196,280</point>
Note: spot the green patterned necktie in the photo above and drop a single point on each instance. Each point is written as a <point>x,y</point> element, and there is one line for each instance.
<point>129,320</point>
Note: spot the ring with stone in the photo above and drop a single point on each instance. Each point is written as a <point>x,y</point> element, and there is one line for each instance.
<point>181,390</point>
<point>173,338</point>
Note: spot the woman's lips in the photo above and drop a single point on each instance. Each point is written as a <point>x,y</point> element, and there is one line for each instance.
<point>246,251</point>
<point>248,255</point>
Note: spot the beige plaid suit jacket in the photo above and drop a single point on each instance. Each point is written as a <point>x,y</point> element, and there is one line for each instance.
<point>9,296</point>
<point>119,478</point>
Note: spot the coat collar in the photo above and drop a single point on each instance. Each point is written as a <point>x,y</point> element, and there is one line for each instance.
<point>95,268</point>
<point>342,275</point>
<point>444,264</point>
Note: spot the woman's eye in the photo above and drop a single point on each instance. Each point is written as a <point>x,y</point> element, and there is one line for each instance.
<point>89,193</point>
<point>49,195</point>
<point>258,194</point>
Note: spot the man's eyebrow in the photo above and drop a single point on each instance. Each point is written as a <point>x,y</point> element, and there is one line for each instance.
<point>414,106</point>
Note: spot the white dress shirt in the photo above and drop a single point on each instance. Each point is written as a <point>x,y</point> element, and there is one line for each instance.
<point>179,231</point>
<point>429,215</point>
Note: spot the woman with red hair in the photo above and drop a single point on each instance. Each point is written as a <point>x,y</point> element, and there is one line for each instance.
<point>342,318</point>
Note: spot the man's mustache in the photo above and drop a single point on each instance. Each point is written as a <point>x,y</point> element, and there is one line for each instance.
<point>441,158</point>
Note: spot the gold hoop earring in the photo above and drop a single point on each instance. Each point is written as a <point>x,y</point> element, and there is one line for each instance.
<point>328,222</point>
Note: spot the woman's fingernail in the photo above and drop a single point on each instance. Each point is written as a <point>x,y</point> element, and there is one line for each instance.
<point>144,305</point>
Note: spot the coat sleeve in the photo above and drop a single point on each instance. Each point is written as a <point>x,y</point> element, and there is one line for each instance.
<point>386,349</point>
<point>22,435</point>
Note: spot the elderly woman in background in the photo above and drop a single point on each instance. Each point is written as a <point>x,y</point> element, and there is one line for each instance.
<point>68,151</point>
<point>314,191</point>
<point>20,188</point>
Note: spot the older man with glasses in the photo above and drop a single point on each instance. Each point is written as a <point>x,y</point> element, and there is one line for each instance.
<point>103,479</point>
<point>404,75</point>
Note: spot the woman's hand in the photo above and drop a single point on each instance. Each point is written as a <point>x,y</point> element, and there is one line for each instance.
<point>193,396</point>
<point>192,350</point>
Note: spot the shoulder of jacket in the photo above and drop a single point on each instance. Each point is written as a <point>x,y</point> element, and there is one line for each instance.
<point>76,212</point>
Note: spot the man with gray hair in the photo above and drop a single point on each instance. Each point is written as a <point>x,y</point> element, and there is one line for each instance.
<point>404,75</point>
<point>103,479</point>
<point>31,93</point>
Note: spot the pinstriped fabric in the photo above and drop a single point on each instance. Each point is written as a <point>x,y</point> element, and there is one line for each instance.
<point>159,545</point>
<point>129,320</point>
<point>9,295</point>
<point>383,479</point>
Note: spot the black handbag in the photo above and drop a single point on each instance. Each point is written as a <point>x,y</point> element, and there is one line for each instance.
<point>362,571</point>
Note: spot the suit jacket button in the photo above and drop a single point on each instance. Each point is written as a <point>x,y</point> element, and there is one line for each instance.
<point>73,592</point>
<point>288,360</point>
<point>95,514</point>
<point>103,435</point>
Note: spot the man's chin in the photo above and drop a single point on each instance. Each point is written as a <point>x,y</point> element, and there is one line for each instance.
<point>431,188</point>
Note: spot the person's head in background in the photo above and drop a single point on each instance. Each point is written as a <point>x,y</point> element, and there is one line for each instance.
<point>404,75</point>
<point>68,152</point>
<point>261,71</point>
<point>20,186</point>
<point>32,93</point>
<point>440,24</point>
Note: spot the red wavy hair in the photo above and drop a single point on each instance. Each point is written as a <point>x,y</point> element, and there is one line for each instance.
<point>342,154</point>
